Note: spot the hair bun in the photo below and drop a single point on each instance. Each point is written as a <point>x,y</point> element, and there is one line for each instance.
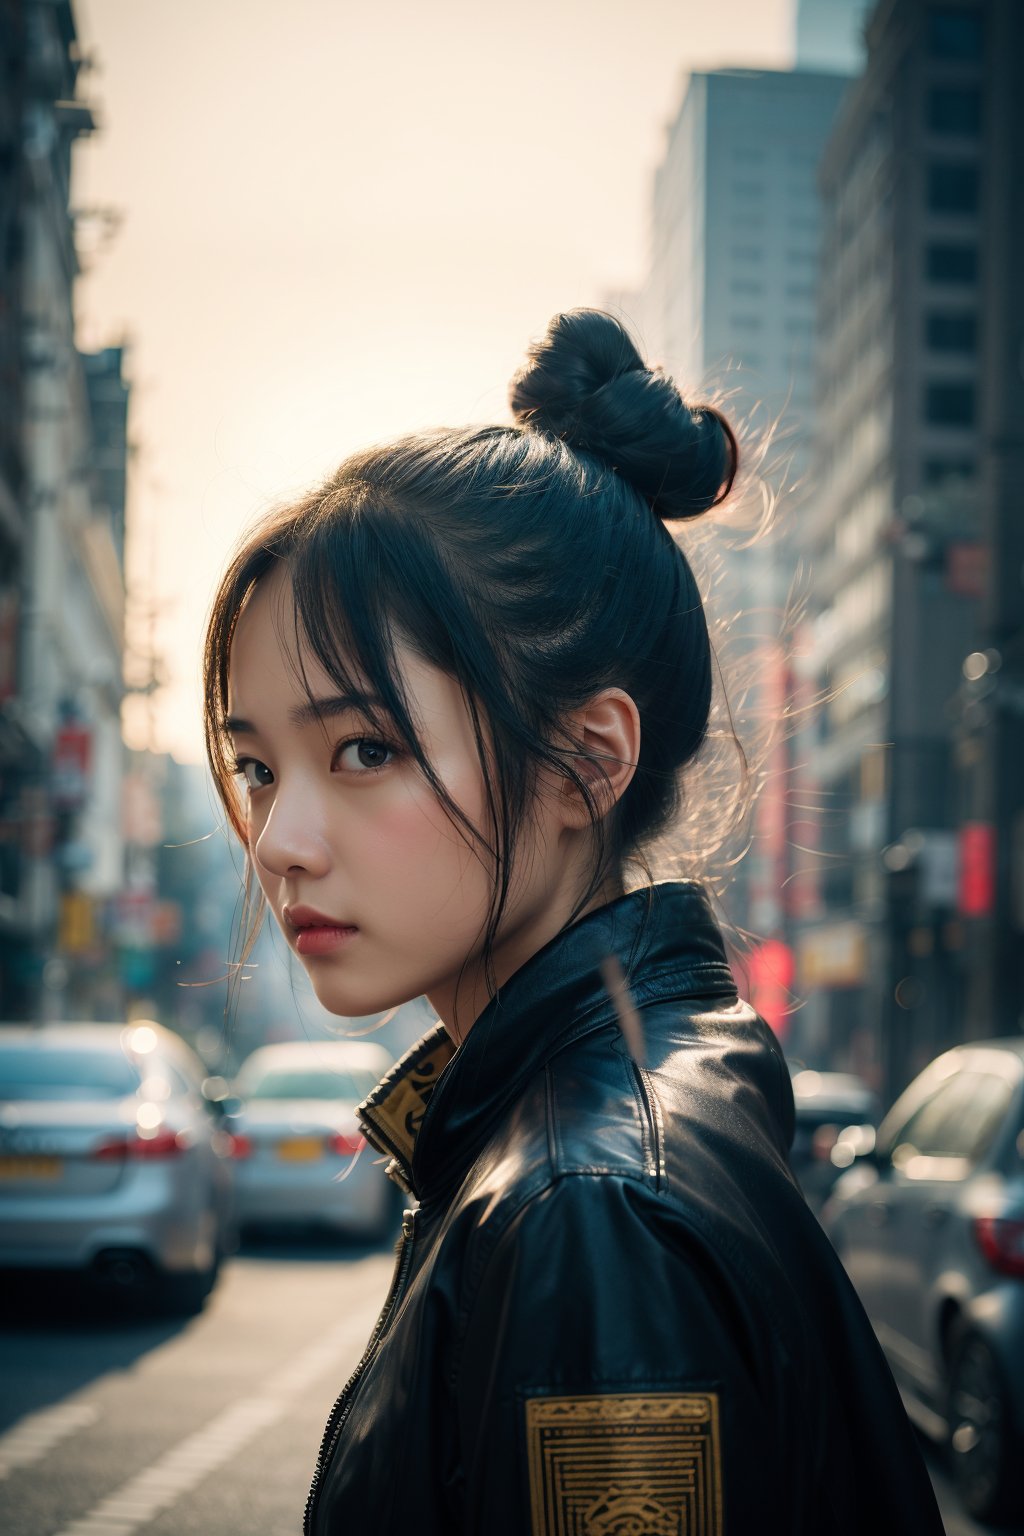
<point>586,383</point>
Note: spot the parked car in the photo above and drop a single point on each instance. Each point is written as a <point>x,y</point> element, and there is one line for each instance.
<point>300,1158</point>
<point>828,1105</point>
<point>112,1162</point>
<point>930,1227</point>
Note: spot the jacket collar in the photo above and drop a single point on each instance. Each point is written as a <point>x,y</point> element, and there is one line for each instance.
<point>437,1105</point>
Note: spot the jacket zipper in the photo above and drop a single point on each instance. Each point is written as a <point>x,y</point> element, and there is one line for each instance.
<point>339,1413</point>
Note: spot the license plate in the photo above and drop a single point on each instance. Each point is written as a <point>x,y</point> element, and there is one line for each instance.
<point>30,1167</point>
<point>301,1149</point>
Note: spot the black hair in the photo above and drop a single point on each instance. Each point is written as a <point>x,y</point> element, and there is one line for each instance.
<point>530,562</point>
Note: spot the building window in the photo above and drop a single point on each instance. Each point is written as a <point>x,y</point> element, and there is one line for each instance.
<point>799,291</point>
<point>954,32</point>
<point>951,333</point>
<point>952,187</point>
<point>747,253</point>
<point>952,263</point>
<point>745,322</point>
<point>798,326</point>
<point>949,405</point>
<point>802,258</point>
<point>954,109</point>
<point>742,285</point>
<point>748,188</point>
<point>942,471</point>
<point>747,156</point>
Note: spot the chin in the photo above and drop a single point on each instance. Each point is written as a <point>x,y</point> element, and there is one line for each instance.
<point>348,1001</point>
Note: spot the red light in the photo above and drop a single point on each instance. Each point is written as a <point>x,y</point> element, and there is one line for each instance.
<point>164,1144</point>
<point>977,869</point>
<point>1002,1243</point>
<point>238,1146</point>
<point>771,970</point>
<point>347,1146</point>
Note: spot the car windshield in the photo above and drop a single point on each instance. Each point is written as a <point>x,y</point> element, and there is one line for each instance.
<point>306,1083</point>
<point>29,1073</point>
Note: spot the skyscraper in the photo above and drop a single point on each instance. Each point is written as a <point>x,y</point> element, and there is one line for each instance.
<point>730,304</point>
<point>916,542</point>
<point>830,34</point>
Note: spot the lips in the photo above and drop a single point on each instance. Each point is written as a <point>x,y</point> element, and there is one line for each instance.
<point>301,916</point>
<point>315,932</point>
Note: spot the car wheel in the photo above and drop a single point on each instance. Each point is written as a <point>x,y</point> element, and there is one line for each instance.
<point>184,1295</point>
<point>981,1435</point>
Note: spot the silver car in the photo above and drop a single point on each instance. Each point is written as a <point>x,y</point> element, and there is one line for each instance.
<point>929,1222</point>
<point>299,1155</point>
<point>112,1162</point>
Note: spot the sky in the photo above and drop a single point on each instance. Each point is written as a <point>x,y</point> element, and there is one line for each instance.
<point>335,222</point>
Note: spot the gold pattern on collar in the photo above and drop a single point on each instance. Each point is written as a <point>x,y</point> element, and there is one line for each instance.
<point>392,1114</point>
<point>609,1464</point>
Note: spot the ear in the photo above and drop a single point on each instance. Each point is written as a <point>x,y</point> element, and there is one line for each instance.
<point>608,730</point>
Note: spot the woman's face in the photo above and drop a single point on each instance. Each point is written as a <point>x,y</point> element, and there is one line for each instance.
<point>378,893</point>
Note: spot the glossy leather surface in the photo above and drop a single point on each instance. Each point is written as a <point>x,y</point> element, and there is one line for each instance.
<point>591,1227</point>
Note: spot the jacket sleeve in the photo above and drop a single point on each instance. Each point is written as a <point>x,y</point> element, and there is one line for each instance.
<point>609,1379</point>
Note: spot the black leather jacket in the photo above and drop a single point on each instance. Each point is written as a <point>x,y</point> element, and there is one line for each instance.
<point>612,1310</point>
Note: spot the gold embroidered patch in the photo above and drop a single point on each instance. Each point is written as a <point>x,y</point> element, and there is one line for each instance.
<point>396,1106</point>
<point>636,1464</point>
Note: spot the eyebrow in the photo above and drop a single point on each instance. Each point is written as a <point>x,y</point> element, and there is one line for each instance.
<point>313,711</point>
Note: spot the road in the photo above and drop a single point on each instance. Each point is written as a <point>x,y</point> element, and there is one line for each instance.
<point>113,1424</point>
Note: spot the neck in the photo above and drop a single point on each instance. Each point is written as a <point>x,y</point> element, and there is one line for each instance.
<point>460,1003</point>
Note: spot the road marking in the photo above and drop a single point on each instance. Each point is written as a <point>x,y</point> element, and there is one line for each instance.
<point>38,1433</point>
<point>184,1466</point>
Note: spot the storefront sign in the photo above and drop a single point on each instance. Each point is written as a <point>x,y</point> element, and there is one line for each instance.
<point>835,956</point>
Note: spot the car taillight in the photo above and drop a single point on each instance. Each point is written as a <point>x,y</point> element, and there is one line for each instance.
<point>163,1144</point>
<point>347,1146</point>
<point>1002,1243</point>
<point>238,1146</point>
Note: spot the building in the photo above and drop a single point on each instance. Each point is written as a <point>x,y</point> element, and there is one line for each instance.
<point>830,35</point>
<point>917,464</point>
<point>16,748</point>
<point>729,307</point>
<point>60,800</point>
<point>990,723</point>
<point>735,233</point>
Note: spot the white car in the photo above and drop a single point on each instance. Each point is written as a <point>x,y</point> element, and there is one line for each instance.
<point>300,1158</point>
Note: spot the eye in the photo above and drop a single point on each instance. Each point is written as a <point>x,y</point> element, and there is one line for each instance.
<point>256,774</point>
<point>362,755</point>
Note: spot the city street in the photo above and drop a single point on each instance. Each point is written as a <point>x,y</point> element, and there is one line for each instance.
<point>110,1426</point>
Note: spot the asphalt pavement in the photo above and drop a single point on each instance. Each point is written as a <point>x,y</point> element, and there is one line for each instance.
<point>113,1423</point>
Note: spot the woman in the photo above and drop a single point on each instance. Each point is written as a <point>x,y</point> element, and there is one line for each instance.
<point>461,682</point>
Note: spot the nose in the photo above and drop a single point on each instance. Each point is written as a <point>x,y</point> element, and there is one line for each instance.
<point>291,841</point>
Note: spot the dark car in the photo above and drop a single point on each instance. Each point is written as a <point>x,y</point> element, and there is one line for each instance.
<point>829,1106</point>
<point>930,1227</point>
<point>113,1164</point>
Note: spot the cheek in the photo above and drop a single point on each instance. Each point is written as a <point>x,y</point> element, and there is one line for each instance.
<point>433,881</point>
<point>253,828</point>
<point>415,838</point>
